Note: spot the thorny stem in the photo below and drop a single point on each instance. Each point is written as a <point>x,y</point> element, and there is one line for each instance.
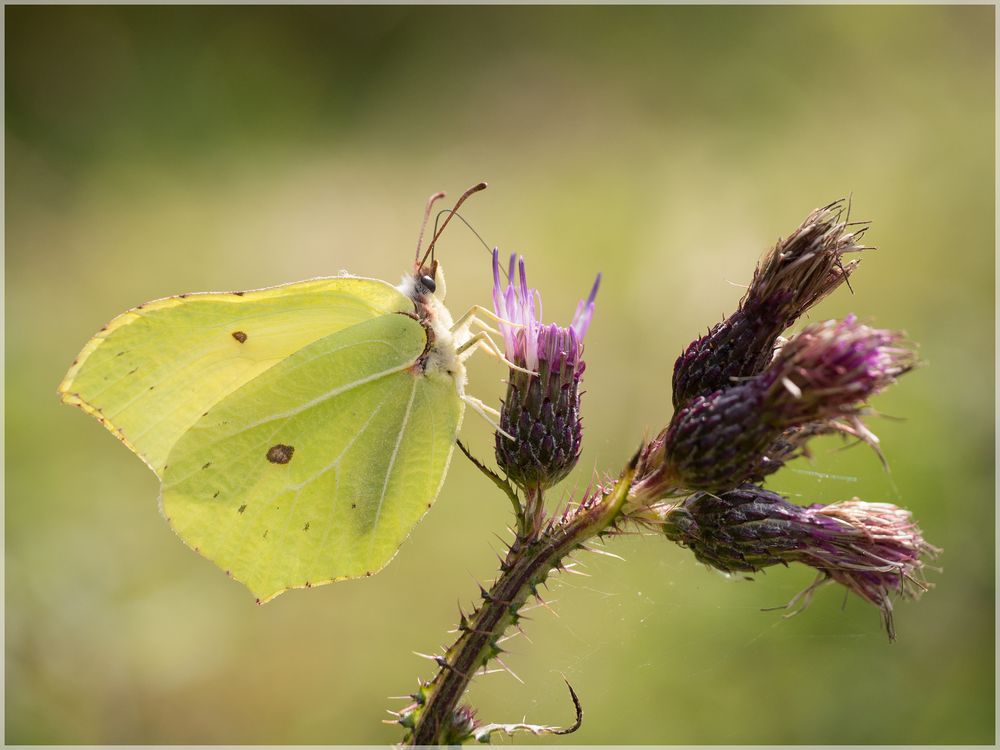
<point>529,561</point>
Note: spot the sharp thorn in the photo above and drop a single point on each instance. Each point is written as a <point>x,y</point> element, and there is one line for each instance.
<point>603,552</point>
<point>510,671</point>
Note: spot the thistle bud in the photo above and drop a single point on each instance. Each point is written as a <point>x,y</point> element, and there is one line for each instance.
<point>873,549</point>
<point>461,726</point>
<point>817,383</point>
<point>541,410</point>
<point>796,274</point>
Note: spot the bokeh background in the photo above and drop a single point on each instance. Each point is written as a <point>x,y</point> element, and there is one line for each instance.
<point>152,151</point>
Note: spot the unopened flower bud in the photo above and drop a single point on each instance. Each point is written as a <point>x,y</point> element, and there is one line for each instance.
<point>541,410</point>
<point>796,274</point>
<point>873,549</point>
<point>461,726</point>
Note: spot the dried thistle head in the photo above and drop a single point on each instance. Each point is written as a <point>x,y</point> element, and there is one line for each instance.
<point>805,267</point>
<point>873,549</point>
<point>796,274</point>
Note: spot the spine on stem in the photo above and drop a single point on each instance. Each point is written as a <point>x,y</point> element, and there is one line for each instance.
<point>434,717</point>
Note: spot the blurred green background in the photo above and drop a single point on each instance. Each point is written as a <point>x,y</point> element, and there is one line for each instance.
<point>152,151</point>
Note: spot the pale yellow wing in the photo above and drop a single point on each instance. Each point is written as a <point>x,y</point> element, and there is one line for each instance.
<point>318,469</point>
<point>153,371</point>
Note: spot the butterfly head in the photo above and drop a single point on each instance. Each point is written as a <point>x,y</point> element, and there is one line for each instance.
<point>428,278</point>
<point>425,277</point>
<point>425,283</point>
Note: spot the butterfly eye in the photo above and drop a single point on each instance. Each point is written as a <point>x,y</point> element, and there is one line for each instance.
<point>428,283</point>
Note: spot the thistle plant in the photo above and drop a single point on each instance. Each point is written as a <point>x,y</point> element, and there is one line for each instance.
<point>541,412</point>
<point>748,399</point>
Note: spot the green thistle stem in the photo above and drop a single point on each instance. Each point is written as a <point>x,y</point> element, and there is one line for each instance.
<point>528,563</point>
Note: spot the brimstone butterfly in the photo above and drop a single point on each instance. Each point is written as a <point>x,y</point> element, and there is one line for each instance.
<point>300,431</point>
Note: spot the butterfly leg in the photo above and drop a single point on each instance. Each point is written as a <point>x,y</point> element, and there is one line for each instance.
<point>483,341</point>
<point>485,411</point>
<point>476,313</point>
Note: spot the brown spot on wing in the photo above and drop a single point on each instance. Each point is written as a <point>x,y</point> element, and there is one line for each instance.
<point>240,336</point>
<point>280,453</point>
<point>242,508</point>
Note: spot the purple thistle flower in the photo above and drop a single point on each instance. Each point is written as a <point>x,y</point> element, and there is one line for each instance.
<point>873,549</point>
<point>817,383</point>
<point>828,368</point>
<point>541,411</point>
<point>796,274</point>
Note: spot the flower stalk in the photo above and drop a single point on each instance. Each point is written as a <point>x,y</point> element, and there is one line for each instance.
<point>527,565</point>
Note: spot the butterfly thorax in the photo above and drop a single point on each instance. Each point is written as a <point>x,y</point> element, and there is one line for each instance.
<point>441,356</point>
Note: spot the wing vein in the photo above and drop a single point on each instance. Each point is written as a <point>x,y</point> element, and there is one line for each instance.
<point>392,461</point>
<point>335,465</point>
<point>332,393</point>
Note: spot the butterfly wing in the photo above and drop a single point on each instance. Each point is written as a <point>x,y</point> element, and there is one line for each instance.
<point>151,373</point>
<point>317,469</point>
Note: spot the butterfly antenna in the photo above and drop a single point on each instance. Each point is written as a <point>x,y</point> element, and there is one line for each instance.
<point>464,221</point>
<point>423,226</point>
<point>471,229</point>
<point>459,202</point>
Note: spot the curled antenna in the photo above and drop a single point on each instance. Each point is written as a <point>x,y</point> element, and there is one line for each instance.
<point>430,249</point>
<point>423,225</point>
